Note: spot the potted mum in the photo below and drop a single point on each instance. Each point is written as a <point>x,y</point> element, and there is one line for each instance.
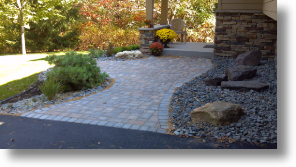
<point>166,35</point>
<point>147,22</point>
<point>156,48</point>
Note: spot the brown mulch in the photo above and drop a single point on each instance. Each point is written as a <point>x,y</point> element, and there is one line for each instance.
<point>32,90</point>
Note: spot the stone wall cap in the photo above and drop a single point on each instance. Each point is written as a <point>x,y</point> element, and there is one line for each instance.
<point>156,27</point>
<point>239,11</point>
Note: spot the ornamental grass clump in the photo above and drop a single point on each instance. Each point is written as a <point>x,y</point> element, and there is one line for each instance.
<point>50,88</point>
<point>156,47</point>
<point>110,50</point>
<point>166,35</point>
<point>75,71</point>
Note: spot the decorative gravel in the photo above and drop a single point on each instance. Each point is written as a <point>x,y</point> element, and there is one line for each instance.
<point>259,124</point>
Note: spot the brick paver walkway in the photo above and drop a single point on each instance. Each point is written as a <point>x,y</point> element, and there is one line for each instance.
<point>138,100</point>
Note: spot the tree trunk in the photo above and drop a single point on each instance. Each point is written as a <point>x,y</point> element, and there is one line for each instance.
<point>22,33</point>
<point>21,5</point>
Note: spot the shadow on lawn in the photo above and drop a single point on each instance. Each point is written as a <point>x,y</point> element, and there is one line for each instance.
<point>16,87</point>
<point>38,59</point>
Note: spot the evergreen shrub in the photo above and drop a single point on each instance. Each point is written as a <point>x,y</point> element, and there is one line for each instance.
<point>95,53</point>
<point>129,48</point>
<point>75,71</point>
<point>124,48</point>
<point>135,47</point>
<point>117,49</point>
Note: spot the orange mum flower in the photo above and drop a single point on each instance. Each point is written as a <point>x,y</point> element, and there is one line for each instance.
<point>156,47</point>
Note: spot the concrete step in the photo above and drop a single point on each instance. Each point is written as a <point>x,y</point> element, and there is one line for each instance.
<point>187,53</point>
<point>189,49</point>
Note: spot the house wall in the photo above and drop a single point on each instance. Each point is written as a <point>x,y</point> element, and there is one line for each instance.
<point>240,4</point>
<point>270,8</point>
<point>239,31</point>
<point>244,25</point>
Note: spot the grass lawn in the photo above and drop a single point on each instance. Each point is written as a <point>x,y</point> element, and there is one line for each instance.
<point>17,72</point>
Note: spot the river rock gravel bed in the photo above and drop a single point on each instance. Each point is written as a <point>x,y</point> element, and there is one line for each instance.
<point>259,124</point>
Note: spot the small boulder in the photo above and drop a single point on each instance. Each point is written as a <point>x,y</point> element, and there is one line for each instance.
<point>240,72</point>
<point>251,58</point>
<point>138,54</point>
<point>120,55</point>
<point>244,85</point>
<point>217,113</point>
<point>129,54</point>
<point>216,81</point>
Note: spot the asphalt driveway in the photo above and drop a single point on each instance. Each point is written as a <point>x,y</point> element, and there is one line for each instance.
<point>29,133</point>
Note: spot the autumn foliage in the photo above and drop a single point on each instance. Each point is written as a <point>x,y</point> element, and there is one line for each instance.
<point>99,22</point>
<point>118,21</point>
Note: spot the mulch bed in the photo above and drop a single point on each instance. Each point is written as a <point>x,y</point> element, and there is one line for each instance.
<point>32,90</point>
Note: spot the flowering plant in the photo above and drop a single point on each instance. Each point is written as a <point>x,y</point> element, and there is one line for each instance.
<point>166,34</point>
<point>156,47</point>
<point>147,22</point>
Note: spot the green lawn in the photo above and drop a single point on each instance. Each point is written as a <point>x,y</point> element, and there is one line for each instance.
<point>17,72</point>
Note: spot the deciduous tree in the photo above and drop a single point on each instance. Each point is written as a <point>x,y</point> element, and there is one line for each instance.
<point>24,11</point>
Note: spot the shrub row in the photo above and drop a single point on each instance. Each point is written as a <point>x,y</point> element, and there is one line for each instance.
<point>126,48</point>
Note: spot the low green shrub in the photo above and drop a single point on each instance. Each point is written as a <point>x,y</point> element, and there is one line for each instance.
<point>95,53</point>
<point>75,71</point>
<point>135,47</point>
<point>50,88</point>
<point>129,48</point>
<point>124,48</point>
<point>117,49</point>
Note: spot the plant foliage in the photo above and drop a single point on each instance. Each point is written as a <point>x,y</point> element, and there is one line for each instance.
<point>95,53</point>
<point>156,47</point>
<point>82,25</point>
<point>110,50</point>
<point>50,88</point>
<point>166,34</point>
<point>75,71</point>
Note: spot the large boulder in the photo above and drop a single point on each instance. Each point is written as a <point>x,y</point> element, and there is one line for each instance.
<point>240,72</point>
<point>217,113</point>
<point>251,58</point>
<point>244,85</point>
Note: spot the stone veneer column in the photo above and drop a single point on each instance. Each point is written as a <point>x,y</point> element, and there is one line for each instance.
<point>240,31</point>
<point>147,37</point>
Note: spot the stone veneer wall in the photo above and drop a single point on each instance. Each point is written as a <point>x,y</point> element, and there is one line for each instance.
<point>146,39</point>
<point>240,31</point>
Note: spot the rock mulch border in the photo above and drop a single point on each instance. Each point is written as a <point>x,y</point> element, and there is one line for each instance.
<point>258,125</point>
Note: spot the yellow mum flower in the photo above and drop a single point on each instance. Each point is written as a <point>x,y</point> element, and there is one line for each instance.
<point>166,34</point>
